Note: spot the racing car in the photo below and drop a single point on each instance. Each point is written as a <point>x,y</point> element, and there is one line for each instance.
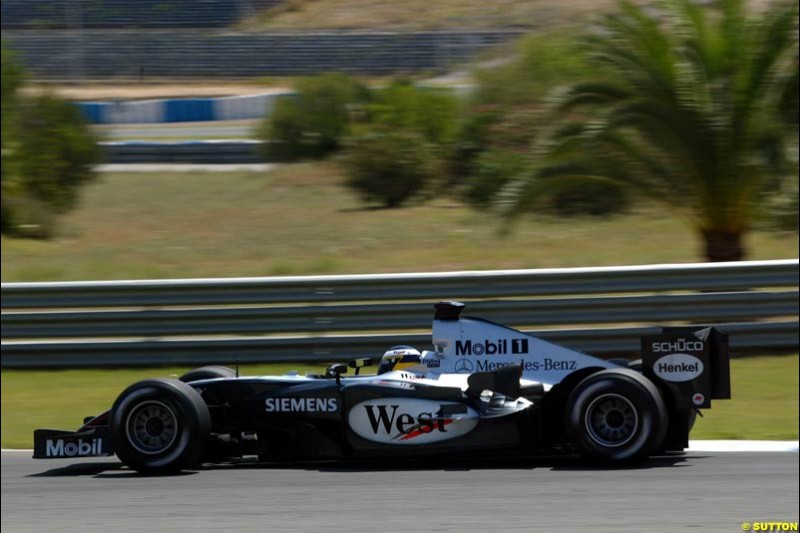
<point>483,390</point>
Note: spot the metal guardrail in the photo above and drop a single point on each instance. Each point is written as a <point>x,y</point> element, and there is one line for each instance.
<point>324,318</point>
<point>205,152</point>
<point>712,307</point>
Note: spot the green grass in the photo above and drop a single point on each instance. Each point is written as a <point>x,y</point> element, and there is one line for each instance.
<point>764,404</point>
<point>299,219</point>
<point>61,399</point>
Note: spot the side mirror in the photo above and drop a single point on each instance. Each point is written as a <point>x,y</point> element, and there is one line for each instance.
<point>335,371</point>
<point>358,364</point>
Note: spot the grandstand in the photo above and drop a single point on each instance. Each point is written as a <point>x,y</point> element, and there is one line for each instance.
<point>72,14</point>
<point>96,39</point>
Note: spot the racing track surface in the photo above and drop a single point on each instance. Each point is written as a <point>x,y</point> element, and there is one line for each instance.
<point>709,491</point>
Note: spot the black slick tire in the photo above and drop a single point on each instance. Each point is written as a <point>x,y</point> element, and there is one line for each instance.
<point>159,426</point>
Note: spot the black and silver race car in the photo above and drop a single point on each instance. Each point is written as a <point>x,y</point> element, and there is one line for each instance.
<point>485,390</point>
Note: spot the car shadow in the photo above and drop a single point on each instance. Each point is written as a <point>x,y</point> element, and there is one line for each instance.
<point>116,470</point>
<point>464,464</point>
<point>79,469</point>
<point>104,470</point>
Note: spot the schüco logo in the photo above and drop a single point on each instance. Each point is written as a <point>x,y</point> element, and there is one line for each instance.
<point>680,345</point>
<point>487,347</point>
<point>410,421</point>
<point>678,367</point>
<point>59,448</point>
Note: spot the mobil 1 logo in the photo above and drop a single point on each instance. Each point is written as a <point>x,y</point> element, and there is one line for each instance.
<point>517,346</point>
<point>681,362</point>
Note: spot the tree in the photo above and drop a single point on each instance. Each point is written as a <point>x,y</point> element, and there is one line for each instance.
<point>313,123</point>
<point>699,108</point>
<point>390,166</point>
<point>11,81</point>
<point>48,153</point>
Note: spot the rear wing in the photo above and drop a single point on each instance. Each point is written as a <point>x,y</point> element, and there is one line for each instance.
<point>693,363</point>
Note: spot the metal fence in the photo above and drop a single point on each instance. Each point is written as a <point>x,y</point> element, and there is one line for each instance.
<point>57,54</point>
<point>323,318</point>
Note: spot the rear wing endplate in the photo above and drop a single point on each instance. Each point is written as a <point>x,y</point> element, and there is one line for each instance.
<point>692,362</point>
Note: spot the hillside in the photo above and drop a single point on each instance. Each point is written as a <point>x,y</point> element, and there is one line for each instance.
<point>424,15</point>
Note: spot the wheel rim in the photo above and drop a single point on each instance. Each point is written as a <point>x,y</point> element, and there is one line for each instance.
<point>611,420</point>
<point>151,427</point>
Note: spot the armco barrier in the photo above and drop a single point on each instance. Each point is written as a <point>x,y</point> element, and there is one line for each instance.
<point>324,318</point>
<point>206,152</point>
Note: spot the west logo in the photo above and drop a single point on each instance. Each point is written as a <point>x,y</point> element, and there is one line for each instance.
<point>405,421</point>
<point>385,417</point>
<point>487,347</point>
<point>58,448</point>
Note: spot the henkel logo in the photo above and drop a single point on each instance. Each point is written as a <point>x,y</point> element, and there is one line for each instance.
<point>411,421</point>
<point>678,367</point>
<point>487,347</point>
<point>82,448</point>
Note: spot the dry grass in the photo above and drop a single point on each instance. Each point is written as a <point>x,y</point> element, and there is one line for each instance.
<point>424,15</point>
<point>299,219</point>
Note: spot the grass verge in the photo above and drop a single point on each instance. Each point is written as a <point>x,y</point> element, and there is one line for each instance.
<point>764,404</point>
<point>300,219</point>
<point>60,399</point>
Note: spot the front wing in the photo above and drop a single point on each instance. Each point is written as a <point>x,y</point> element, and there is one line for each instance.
<point>59,444</point>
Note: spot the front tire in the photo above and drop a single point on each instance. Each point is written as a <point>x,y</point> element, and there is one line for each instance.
<point>208,372</point>
<point>616,416</point>
<point>159,426</point>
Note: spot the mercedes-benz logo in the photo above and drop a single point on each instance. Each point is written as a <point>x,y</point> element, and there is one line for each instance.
<point>464,366</point>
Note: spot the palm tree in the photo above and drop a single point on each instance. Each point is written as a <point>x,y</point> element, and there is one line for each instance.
<point>694,106</point>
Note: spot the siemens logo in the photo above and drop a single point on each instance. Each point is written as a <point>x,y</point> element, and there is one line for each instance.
<point>487,347</point>
<point>301,405</point>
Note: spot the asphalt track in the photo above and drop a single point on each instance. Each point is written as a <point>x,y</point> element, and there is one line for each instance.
<point>713,491</point>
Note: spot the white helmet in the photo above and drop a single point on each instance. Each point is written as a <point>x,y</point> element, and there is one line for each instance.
<point>398,358</point>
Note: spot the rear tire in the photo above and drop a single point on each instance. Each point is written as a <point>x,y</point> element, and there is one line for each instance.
<point>636,365</point>
<point>616,416</point>
<point>159,426</point>
<point>208,372</point>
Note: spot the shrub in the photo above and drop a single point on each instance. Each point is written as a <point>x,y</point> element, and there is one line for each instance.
<point>491,171</point>
<point>472,138</point>
<point>312,123</point>
<point>48,152</point>
<point>591,198</point>
<point>542,63</point>
<point>390,166</point>
<point>28,217</point>
<point>427,111</point>
<point>11,80</point>
<point>783,206</point>
<point>55,151</point>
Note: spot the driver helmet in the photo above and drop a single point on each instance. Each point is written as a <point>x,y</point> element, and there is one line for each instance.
<point>398,358</point>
